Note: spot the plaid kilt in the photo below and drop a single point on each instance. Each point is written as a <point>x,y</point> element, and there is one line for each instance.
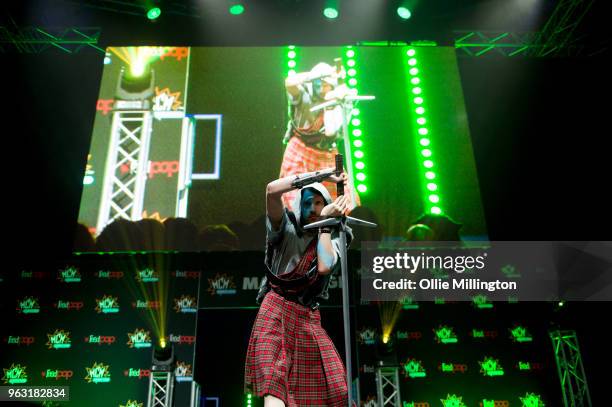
<point>299,158</point>
<point>291,357</point>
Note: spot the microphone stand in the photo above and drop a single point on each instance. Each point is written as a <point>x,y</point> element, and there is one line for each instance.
<point>341,223</point>
<point>347,106</point>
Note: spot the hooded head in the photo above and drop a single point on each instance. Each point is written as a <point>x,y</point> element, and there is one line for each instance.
<point>309,202</point>
<point>326,82</point>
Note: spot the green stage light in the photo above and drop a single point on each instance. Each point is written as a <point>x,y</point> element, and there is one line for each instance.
<point>420,110</point>
<point>236,9</point>
<point>356,122</point>
<point>423,131</point>
<point>359,165</point>
<point>415,81</point>
<point>435,210</point>
<point>352,82</point>
<point>428,163</point>
<point>358,143</point>
<point>421,121</point>
<point>426,152</point>
<point>410,52</point>
<point>434,198</point>
<point>291,72</point>
<point>330,12</point>
<point>432,187</point>
<point>356,112</point>
<point>351,62</point>
<point>350,53</point>
<point>291,54</point>
<point>357,133</point>
<point>360,176</point>
<point>361,188</point>
<point>291,64</point>
<point>351,72</point>
<point>153,13</point>
<point>424,142</point>
<point>358,154</point>
<point>418,100</point>
<point>414,71</point>
<point>403,13</point>
<point>417,91</point>
<point>412,61</point>
<point>430,175</point>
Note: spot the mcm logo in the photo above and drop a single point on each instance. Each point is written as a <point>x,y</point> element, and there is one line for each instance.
<point>413,368</point>
<point>98,373</point>
<point>481,301</point>
<point>445,334</point>
<point>367,336</point>
<point>59,339</point>
<point>131,403</point>
<point>221,284</point>
<point>139,339</point>
<point>491,367</point>
<point>532,400</point>
<point>185,304</point>
<point>453,400</point>
<point>16,374</point>
<point>183,372</point>
<point>107,304</point>
<point>147,276</point>
<point>409,303</point>
<point>28,305</point>
<point>69,275</point>
<point>520,334</point>
<point>166,101</point>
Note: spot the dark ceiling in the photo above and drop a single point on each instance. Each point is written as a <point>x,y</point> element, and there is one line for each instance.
<point>274,22</point>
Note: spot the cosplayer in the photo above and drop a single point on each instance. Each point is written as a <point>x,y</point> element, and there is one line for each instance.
<point>311,136</point>
<point>291,361</point>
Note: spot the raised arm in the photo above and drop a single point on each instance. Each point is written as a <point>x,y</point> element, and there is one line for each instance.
<point>275,189</point>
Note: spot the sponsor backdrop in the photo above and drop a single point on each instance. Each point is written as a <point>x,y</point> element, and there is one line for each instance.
<point>95,330</point>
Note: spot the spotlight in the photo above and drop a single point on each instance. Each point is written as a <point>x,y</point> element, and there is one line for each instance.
<point>236,9</point>
<point>153,13</point>
<point>330,12</point>
<point>403,13</point>
<point>163,359</point>
<point>386,350</point>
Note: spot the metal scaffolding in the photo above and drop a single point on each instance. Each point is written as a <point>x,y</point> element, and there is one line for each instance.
<point>570,368</point>
<point>126,170</point>
<point>387,386</point>
<point>161,387</point>
<point>557,35</point>
<point>34,40</point>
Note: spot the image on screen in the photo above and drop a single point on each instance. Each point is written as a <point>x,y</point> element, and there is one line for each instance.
<point>186,139</point>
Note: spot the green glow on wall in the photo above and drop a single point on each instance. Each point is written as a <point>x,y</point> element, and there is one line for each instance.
<point>355,126</point>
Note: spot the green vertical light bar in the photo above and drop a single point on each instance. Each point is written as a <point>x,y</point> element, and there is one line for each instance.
<point>249,400</point>
<point>355,126</point>
<point>291,60</point>
<point>427,157</point>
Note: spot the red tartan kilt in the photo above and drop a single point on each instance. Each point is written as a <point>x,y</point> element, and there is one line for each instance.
<point>290,356</point>
<point>300,158</point>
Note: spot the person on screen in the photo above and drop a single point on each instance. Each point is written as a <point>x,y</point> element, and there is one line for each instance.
<point>291,361</point>
<point>311,137</point>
